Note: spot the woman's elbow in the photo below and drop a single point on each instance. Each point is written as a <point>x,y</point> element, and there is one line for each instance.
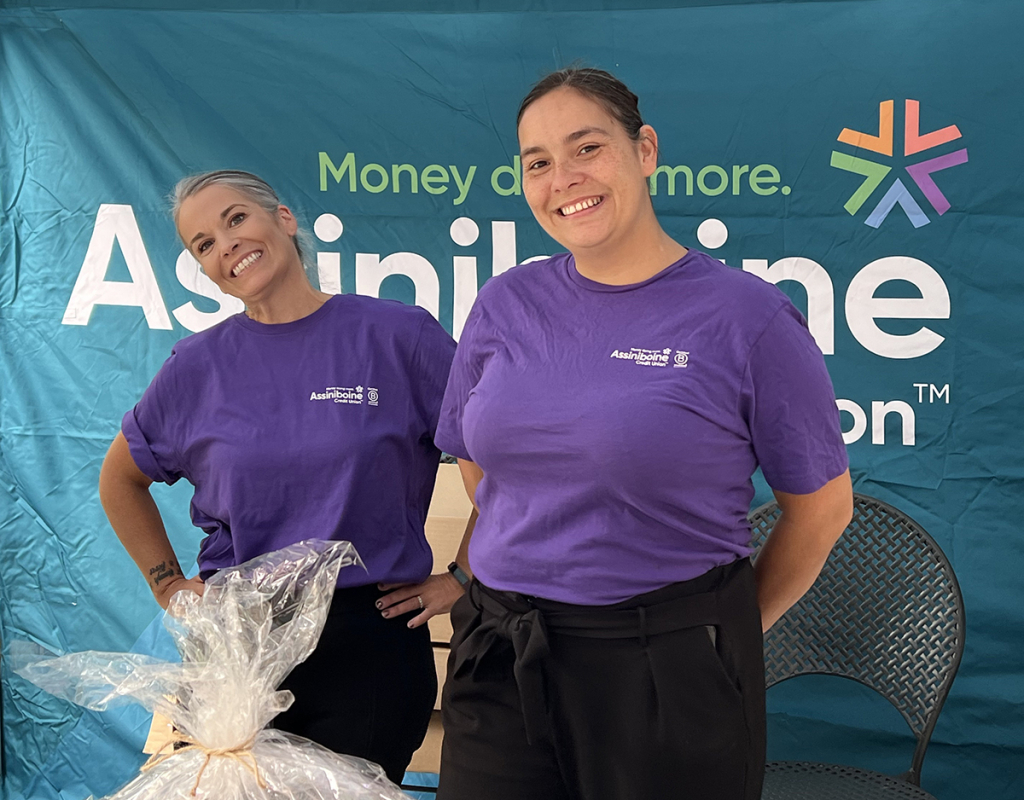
<point>119,473</point>
<point>840,507</point>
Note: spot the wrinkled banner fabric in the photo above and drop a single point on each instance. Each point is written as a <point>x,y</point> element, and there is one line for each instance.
<point>865,155</point>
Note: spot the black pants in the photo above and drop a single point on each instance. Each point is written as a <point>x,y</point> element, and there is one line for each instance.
<point>660,696</point>
<point>368,688</point>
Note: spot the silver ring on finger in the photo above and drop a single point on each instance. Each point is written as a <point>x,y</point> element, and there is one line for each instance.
<point>419,599</point>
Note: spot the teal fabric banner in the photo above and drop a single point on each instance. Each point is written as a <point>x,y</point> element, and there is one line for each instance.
<point>863,154</point>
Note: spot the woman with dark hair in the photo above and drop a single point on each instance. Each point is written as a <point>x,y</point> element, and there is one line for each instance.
<point>307,416</point>
<point>608,407</point>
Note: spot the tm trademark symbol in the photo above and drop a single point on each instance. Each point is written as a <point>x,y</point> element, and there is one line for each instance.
<point>933,391</point>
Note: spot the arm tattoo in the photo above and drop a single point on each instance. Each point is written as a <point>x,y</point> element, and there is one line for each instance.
<point>163,571</point>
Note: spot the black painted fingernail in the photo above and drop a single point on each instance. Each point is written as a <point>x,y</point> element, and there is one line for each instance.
<point>380,604</point>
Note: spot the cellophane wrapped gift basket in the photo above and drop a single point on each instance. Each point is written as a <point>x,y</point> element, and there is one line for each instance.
<point>237,642</point>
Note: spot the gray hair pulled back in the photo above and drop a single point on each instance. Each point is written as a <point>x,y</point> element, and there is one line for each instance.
<point>253,187</point>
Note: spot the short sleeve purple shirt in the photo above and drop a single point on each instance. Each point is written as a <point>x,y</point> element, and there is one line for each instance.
<point>618,427</point>
<point>318,428</point>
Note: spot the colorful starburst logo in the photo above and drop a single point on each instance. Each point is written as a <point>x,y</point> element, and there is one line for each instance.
<point>874,173</point>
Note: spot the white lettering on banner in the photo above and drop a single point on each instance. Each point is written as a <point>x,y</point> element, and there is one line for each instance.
<point>328,228</point>
<point>464,269</point>
<point>503,246</point>
<point>934,392</point>
<point>190,275</point>
<point>879,412</point>
<point>371,271</point>
<point>820,294</point>
<point>863,308</point>
<point>328,270</point>
<point>860,420</point>
<point>116,223</point>
<point>464,232</point>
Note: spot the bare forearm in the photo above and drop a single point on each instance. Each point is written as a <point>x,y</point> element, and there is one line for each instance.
<point>436,595</point>
<point>785,569</point>
<point>136,520</point>
<point>799,545</point>
<point>124,493</point>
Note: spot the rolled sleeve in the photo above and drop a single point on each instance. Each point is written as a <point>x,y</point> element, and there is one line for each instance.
<point>142,453</point>
<point>154,427</point>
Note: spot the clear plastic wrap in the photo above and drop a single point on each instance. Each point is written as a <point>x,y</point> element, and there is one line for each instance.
<point>237,642</point>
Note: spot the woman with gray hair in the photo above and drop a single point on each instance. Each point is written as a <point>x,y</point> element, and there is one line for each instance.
<point>308,415</point>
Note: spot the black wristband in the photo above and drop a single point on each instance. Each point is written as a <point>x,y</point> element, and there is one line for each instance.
<point>459,574</point>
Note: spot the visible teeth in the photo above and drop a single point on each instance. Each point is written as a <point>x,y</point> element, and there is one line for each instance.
<point>245,262</point>
<point>569,210</point>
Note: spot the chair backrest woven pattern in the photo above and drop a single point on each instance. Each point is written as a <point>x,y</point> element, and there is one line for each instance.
<point>886,611</point>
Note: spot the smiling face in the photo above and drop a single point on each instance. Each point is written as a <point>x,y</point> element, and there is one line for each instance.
<point>584,178</point>
<point>241,247</point>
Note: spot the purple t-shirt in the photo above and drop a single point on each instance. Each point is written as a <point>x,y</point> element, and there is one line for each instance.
<point>618,426</point>
<point>318,428</point>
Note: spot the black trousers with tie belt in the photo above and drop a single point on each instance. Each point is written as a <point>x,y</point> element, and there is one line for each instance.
<point>660,696</point>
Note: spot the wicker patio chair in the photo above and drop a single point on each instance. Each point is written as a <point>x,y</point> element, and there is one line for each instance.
<point>887,612</point>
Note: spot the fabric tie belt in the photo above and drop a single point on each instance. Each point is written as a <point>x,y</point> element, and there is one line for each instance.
<point>526,623</point>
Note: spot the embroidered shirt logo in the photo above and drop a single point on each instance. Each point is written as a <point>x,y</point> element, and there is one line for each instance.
<point>652,358</point>
<point>352,395</point>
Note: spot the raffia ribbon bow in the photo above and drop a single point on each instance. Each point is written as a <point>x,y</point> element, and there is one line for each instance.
<point>242,754</point>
